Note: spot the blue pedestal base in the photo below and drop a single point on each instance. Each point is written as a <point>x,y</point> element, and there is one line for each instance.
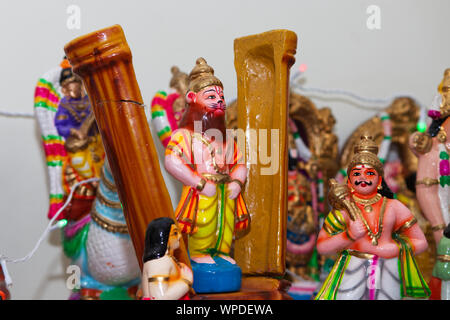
<point>214,278</point>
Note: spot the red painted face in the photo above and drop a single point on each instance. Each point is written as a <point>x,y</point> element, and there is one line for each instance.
<point>207,107</point>
<point>212,99</point>
<point>364,180</point>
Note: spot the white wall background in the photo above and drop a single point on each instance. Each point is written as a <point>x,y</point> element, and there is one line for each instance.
<point>407,55</point>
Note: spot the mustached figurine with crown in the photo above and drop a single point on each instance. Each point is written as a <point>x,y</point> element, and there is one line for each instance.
<point>377,236</point>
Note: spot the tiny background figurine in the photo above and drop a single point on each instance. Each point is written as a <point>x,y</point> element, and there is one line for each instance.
<point>163,277</point>
<point>72,144</point>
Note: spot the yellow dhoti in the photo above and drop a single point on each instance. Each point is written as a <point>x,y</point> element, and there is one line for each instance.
<point>210,221</point>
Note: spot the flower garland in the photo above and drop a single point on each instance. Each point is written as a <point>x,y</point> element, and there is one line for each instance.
<point>444,181</point>
<point>444,167</point>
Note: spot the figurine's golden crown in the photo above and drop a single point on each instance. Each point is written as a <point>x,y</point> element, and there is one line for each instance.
<point>202,76</point>
<point>444,87</point>
<point>366,153</point>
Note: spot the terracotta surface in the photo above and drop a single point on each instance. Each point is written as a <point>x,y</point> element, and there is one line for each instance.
<point>262,65</point>
<point>104,61</point>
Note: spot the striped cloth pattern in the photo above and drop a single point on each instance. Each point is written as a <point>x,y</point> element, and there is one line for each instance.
<point>163,121</point>
<point>46,98</point>
<point>334,223</point>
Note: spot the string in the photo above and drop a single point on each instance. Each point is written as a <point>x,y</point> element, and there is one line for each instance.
<point>31,115</point>
<point>16,114</point>
<point>341,92</point>
<point>50,227</point>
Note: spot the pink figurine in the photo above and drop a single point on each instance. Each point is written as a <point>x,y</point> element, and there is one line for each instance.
<point>433,170</point>
<point>375,235</point>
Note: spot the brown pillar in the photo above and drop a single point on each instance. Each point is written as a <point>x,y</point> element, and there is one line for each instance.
<point>262,64</point>
<point>103,59</point>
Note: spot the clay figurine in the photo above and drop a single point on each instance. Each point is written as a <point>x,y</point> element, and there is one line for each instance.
<point>377,236</point>
<point>433,171</point>
<point>210,166</point>
<point>163,277</point>
<point>75,122</point>
<point>96,237</point>
<point>72,144</point>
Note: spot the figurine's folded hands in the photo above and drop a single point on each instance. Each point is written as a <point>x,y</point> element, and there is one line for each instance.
<point>77,134</point>
<point>233,189</point>
<point>209,189</point>
<point>356,229</point>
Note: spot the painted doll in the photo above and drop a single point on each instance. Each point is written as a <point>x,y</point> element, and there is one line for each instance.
<point>210,166</point>
<point>75,123</point>
<point>377,236</point>
<point>163,277</point>
<point>433,171</point>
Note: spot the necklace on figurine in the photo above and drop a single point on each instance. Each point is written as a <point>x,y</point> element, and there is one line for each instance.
<point>219,169</point>
<point>368,202</point>
<point>372,235</point>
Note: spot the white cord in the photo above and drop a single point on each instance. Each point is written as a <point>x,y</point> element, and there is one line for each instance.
<point>16,114</point>
<point>50,227</point>
<point>371,101</point>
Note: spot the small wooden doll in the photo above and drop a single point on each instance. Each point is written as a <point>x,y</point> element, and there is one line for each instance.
<point>163,277</point>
